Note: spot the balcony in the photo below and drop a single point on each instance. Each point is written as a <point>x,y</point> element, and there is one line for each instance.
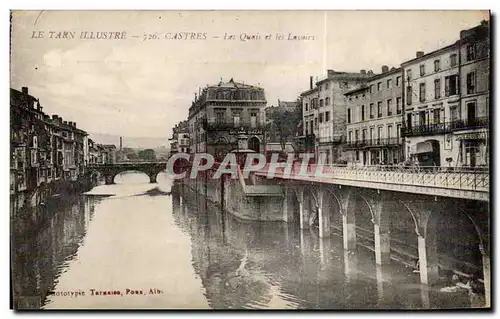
<point>476,123</point>
<point>244,126</point>
<point>442,128</point>
<point>330,139</point>
<point>379,142</point>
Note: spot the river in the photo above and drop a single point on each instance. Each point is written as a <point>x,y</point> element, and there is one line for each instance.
<point>123,246</point>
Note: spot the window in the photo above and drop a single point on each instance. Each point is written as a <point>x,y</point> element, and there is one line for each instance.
<point>327,116</point>
<point>398,105</point>
<point>389,107</point>
<point>321,103</point>
<point>307,105</point>
<point>451,85</point>
<point>362,112</point>
<point>316,121</point>
<point>471,52</point>
<point>437,88</point>
<point>350,136</point>
<point>371,88</point>
<point>312,124</point>
<point>327,101</point>
<point>326,86</point>
<point>422,69</point>
<point>453,59</point>
<point>357,155</point>
<point>398,81</point>
<point>437,116</point>
<point>236,119</point>
<point>389,131</point>
<point>422,92</point>
<point>471,83</point>
<point>379,109</point>
<point>398,131</point>
<point>437,66</point>
<point>379,86</point>
<point>409,94</point>
<point>219,118</point>
<point>389,83</point>
<point>422,118</point>
<point>372,137</point>
<point>253,119</point>
<point>454,113</point>
<point>371,111</point>
<point>379,132</point>
<point>363,135</point>
<point>348,115</point>
<point>357,135</point>
<point>321,117</point>
<point>408,74</point>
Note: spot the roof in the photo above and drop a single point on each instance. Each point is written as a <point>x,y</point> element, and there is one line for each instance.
<point>431,54</point>
<point>108,145</point>
<point>345,76</point>
<point>232,84</point>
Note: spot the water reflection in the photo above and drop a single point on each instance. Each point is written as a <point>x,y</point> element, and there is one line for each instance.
<point>246,264</point>
<point>199,257</point>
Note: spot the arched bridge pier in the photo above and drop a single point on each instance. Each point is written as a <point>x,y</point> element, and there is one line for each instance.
<point>109,171</point>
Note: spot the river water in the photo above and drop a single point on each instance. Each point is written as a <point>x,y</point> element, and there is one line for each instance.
<point>120,246</point>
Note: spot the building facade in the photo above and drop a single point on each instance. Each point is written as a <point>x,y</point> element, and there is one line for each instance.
<point>374,120</point>
<point>283,118</point>
<point>324,112</point>
<point>43,149</point>
<point>227,117</point>
<point>179,142</point>
<point>446,96</point>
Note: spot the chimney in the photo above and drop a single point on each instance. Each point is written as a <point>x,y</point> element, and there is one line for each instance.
<point>54,117</point>
<point>24,89</point>
<point>74,124</point>
<point>121,143</point>
<point>65,122</point>
<point>310,83</point>
<point>370,72</point>
<point>420,54</point>
<point>385,69</point>
<point>362,71</point>
<point>330,73</point>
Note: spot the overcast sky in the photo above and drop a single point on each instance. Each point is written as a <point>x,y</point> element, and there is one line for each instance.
<point>141,88</point>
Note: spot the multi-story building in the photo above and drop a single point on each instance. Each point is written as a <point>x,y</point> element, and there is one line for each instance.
<point>108,153</point>
<point>374,117</point>
<point>93,152</point>
<point>446,100</point>
<point>225,117</point>
<point>43,149</point>
<point>472,128</point>
<point>179,142</point>
<point>324,111</point>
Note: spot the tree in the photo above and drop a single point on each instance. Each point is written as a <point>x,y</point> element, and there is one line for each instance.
<point>147,155</point>
<point>284,124</point>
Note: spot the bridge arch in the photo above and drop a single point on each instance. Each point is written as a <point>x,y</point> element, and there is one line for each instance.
<point>110,171</point>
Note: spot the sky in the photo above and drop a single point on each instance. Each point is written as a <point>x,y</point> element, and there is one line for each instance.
<point>138,88</point>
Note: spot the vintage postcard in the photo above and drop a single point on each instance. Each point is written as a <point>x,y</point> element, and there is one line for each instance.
<point>250,160</point>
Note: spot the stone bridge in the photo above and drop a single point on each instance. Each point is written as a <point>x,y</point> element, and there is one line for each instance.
<point>109,171</point>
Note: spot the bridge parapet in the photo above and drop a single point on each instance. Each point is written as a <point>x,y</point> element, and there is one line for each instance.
<point>473,184</point>
<point>109,171</point>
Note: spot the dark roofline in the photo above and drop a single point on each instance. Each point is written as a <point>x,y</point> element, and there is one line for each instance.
<point>430,54</point>
<point>343,75</point>
<point>381,75</point>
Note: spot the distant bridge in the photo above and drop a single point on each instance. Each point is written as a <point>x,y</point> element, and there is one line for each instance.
<point>109,171</point>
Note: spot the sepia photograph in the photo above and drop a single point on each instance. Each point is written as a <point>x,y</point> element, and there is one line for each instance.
<point>234,160</point>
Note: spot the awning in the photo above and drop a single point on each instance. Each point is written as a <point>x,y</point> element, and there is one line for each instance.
<point>424,147</point>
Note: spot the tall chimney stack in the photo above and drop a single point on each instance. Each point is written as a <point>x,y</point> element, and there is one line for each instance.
<point>24,89</point>
<point>310,83</point>
<point>121,143</point>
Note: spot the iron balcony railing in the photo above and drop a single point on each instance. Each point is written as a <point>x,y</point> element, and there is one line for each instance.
<point>388,141</point>
<point>441,128</point>
<point>230,125</point>
<point>330,139</point>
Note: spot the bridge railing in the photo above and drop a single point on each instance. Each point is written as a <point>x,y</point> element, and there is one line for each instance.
<point>465,179</point>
